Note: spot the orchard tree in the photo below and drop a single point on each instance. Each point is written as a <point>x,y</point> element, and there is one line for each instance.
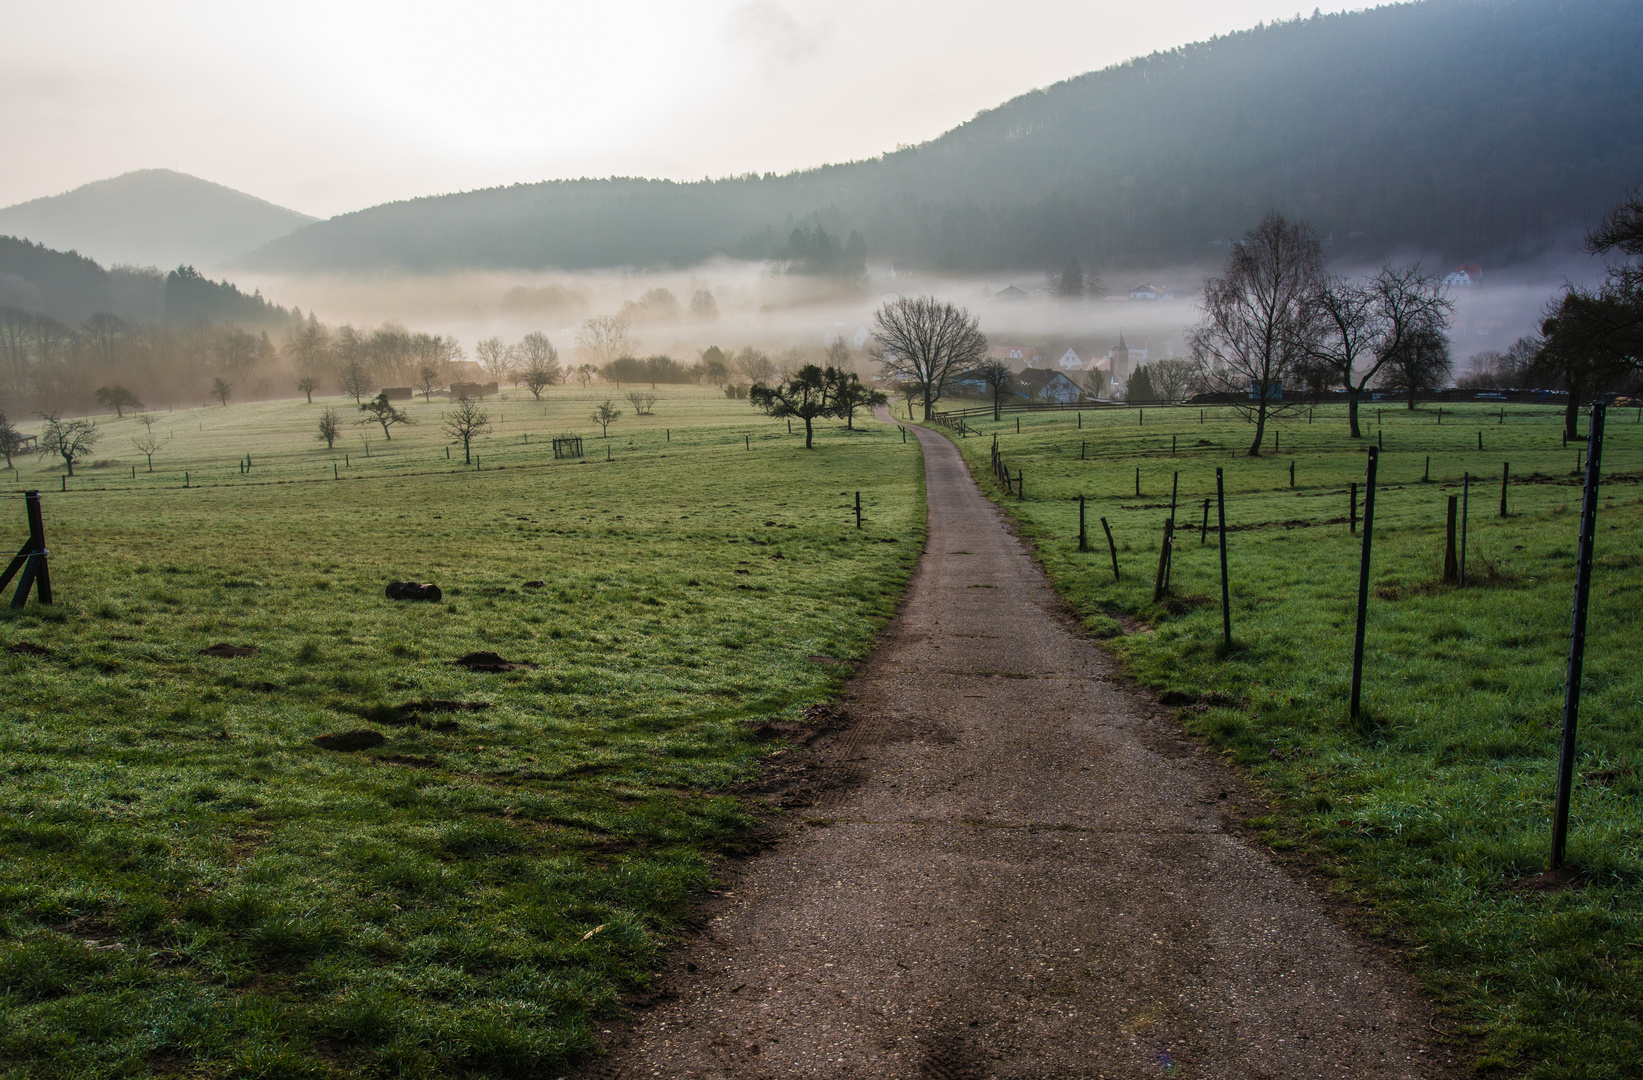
<point>1422,362</point>
<point>117,398</point>
<point>465,421</point>
<point>70,440</point>
<point>11,440</point>
<point>427,381</point>
<point>605,415</point>
<point>221,388</point>
<point>541,369</point>
<point>382,411</point>
<point>330,426</point>
<point>809,394</point>
<point>145,444</point>
<point>1364,325</point>
<point>307,385</point>
<point>850,394</point>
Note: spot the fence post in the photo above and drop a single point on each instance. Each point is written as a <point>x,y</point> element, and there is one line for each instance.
<point>1203,530</point>
<point>1083,540</point>
<point>1577,637</point>
<point>31,560</point>
<point>1226,596</point>
<point>1291,474</point>
<point>1111,547</point>
<point>1465,505</point>
<point>858,509</point>
<point>1353,709</point>
<point>1451,562</point>
<point>1426,476</point>
<point>1505,475</point>
<point>1160,581</point>
<point>1138,481</point>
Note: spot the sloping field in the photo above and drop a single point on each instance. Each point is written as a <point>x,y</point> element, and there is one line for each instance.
<point>344,854</point>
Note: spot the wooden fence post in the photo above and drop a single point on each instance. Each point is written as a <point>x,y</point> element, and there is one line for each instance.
<point>31,558</point>
<point>858,509</point>
<point>1160,581</point>
<point>1083,540</point>
<point>1111,547</point>
<point>1505,476</point>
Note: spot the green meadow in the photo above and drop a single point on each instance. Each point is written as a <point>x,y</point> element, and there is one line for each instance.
<point>1432,809</point>
<point>343,854</point>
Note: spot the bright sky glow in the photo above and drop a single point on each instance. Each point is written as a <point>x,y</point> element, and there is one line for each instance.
<point>330,106</point>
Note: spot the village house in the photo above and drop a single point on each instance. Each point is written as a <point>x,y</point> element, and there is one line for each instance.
<point>1465,276</point>
<point>1048,386</point>
<point>1016,356</point>
<point>1071,361</point>
<point>1152,292</point>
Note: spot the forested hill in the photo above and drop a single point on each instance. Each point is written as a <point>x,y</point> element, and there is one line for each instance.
<point>1478,129</point>
<point>68,287</point>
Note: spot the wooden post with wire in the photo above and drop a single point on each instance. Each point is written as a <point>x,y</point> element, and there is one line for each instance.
<point>31,559</point>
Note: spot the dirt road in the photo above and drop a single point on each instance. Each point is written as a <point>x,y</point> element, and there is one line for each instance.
<point>1029,876</point>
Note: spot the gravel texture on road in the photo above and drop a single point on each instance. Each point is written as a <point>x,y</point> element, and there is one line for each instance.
<point>1006,864</point>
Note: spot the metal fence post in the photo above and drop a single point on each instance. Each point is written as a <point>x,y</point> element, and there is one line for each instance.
<point>1577,637</point>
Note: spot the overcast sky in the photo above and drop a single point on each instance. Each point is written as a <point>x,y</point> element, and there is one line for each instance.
<point>330,106</point>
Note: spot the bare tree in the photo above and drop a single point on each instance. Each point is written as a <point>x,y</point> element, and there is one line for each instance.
<point>1172,377</point>
<point>703,307</point>
<point>1259,319</point>
<point>427,381</point>
<point>604,339</point>
<point>465,421</point>
<point>495,357</point>
<point>221,388</point>
<point>351,354</point>
<point>306,386</point>
<point>11,440</point>
<point>643,404</point>
<point>382,411</point>
<point>541,369</point>
<point>68,439</point>
<point>605,415</point>
<point>1364,325</point>
<point>756,366</point>
<point>925,340</point>
<point>999,379</point>
<point>585,374</point>
<point>145,444</point>
<point>330,426</point>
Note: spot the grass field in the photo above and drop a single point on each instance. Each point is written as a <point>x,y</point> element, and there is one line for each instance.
<point>1431,810</point>
<point>190,885</point>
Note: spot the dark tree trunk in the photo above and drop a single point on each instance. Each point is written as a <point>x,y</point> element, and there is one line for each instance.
<point>1571,411</point>
<point>1413,390</point>
<point>1352,410</point>
<point>1260,429</point>
<point>807,433</point>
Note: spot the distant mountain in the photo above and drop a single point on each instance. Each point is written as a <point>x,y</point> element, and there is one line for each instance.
<point>154,217</point>
<point>36,281</point>
<point>1476,129</point>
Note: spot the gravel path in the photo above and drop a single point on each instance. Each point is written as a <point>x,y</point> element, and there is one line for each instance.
<point>1011,866</point>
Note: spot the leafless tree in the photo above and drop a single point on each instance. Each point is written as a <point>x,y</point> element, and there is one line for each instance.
<point>643,404</point>
<point>605,415</point>
<point>1367,324</point>
<point>427,381</point>
<point>925,340</point>
<point>221,388</point>
<point>604,339</point>
<point>999,379</point>
<point>70,440</point>
<point>755,365</point>
<point>11,440</point>
<point>330,426</point>
<point>145,444</point>
<point>541,369</point>
<point>1420,362</point>
<point>465,421</point>
<point>585,373</point>
<point>495,357</point>
<point>1172,377</point>
<point>306,386</point>
<point>1259,319</point>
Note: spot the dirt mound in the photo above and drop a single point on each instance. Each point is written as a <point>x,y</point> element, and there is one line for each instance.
<point>349,741</point>
<point>414,590</point>
<point>534,584</point>
<point>489,661</point>
<point>28,648</point>
<point>226,651</point>
<point>1549,881</point>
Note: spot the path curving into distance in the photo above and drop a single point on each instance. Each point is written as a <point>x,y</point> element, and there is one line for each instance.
<point>1029,874</point>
